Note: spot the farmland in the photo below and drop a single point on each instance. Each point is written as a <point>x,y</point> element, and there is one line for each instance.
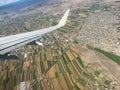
<point>55,65</point>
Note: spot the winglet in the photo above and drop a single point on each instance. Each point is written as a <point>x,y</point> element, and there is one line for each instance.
<point>64,18</point>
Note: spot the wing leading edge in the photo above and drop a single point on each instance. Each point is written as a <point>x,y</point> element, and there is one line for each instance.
<point>12,42</point>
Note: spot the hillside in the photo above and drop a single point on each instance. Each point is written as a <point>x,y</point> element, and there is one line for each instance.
<point>36,6</point>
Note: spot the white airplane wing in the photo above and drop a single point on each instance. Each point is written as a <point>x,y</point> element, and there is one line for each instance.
<point>9,43</point>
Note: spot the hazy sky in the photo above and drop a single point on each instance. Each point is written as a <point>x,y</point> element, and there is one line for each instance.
<point>4,2</point>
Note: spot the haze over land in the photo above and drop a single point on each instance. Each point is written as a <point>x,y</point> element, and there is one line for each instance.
<point>79,55</point>
<point>5,2</point>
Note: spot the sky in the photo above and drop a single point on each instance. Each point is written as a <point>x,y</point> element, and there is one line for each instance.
<point>5,2</point>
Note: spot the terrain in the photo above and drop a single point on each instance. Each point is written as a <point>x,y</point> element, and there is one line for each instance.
<point>79,56</point>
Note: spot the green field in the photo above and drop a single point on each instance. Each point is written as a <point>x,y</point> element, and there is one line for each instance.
<point>111,56</point>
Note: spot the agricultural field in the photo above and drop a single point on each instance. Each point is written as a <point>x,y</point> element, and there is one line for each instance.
<point>54,65</point>
<point>111,56</point>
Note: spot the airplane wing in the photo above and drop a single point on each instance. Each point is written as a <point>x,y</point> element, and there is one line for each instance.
<point>9,43</point>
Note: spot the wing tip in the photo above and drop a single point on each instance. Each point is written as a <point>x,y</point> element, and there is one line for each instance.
<point>64,18</point>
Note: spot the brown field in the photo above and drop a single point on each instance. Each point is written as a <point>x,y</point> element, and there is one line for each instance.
<point>62,82</point>
<point>76,70</point>
<point>69,78</point>
<point>80,86</point>
<point>51,72</point>
<point>74,49</point>
<point>69,54</point>
<point>56,84</point>
<point>11,68</point>
<point>26,64</point>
